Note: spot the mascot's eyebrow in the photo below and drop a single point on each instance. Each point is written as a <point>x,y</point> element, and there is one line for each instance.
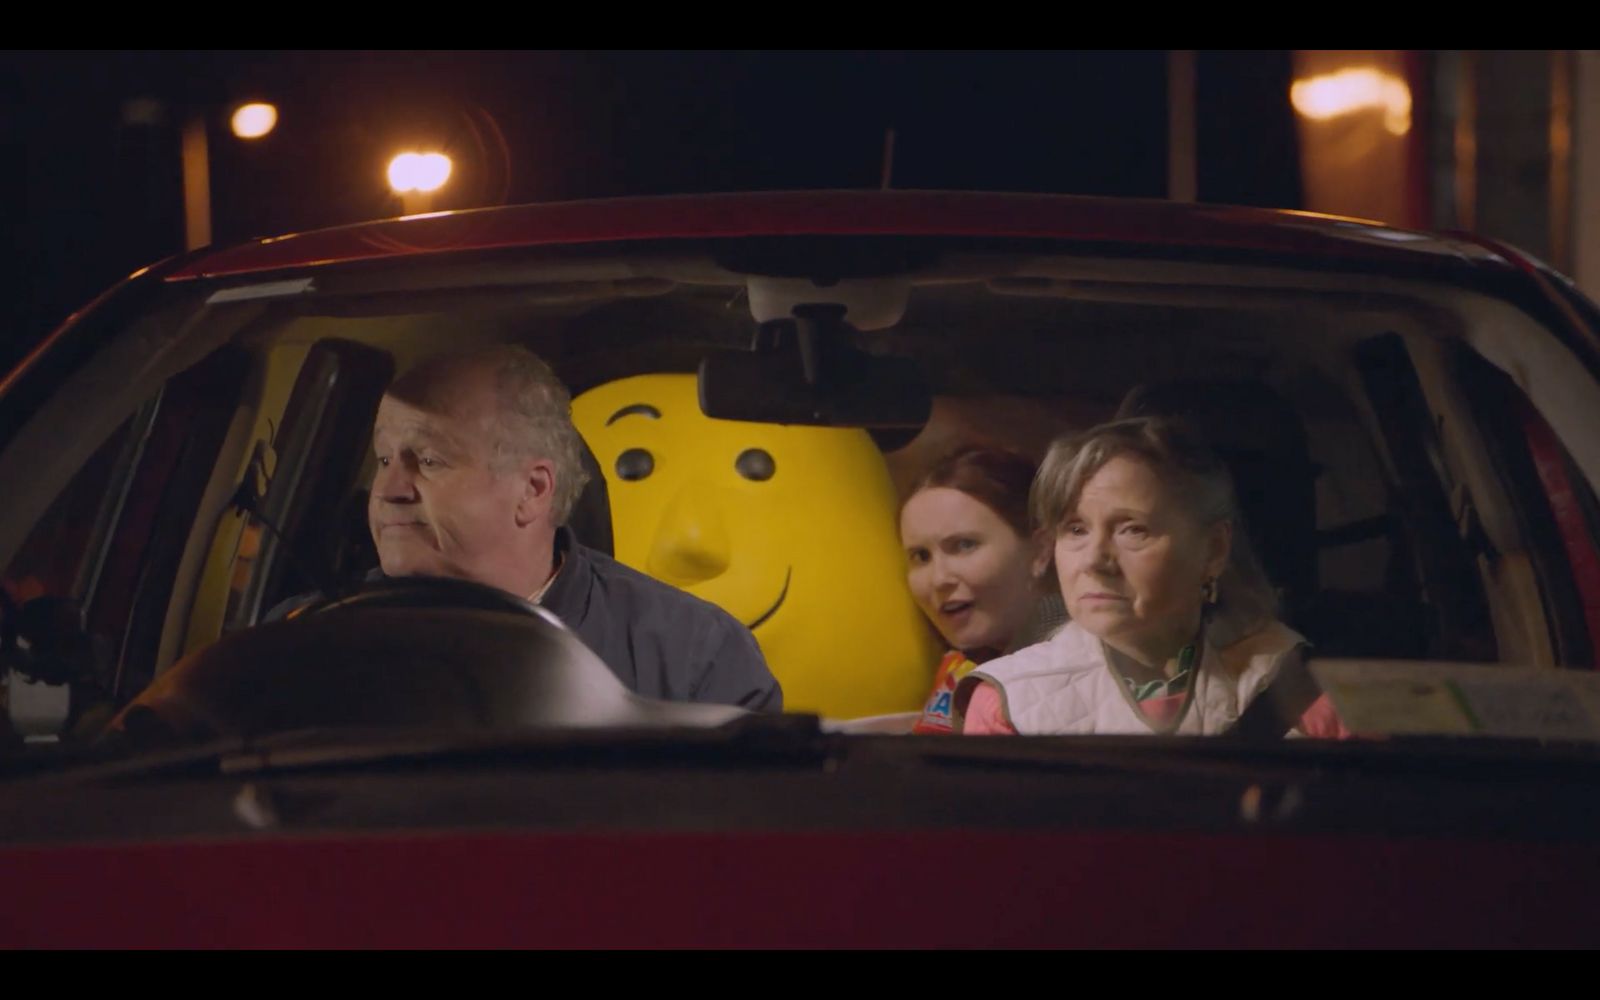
<point>640,409</point>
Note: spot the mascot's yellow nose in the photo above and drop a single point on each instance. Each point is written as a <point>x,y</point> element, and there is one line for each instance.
<point>691,543</point>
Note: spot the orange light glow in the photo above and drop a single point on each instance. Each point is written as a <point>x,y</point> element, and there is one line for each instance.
<point>252,121</point>
<point>1350,90</point>
<point>419,172</point>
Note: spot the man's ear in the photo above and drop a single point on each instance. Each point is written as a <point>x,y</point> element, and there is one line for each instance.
<point>538,496</point>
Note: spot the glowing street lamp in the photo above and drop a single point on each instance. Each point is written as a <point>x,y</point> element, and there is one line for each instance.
<point>1356,89</point>
<point>416,176</point>
<point>252,121</point>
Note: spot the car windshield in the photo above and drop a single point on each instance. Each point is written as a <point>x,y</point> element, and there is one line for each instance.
<point>1410,447</point>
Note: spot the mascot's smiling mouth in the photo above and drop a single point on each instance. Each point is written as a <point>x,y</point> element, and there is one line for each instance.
<point>775,604</point>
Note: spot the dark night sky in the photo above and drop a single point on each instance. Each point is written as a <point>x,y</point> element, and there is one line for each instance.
<point>89,197</point>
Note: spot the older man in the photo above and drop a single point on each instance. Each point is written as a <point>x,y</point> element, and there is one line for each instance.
<point>478,469</point>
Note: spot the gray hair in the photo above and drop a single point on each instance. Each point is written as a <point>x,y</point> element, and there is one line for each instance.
<point>535,409</point>
<point>1199,481</point>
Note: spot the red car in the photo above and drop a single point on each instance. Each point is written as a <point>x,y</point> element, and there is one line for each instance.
<point>1410,419</point>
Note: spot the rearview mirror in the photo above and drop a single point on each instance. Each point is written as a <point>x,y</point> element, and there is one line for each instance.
<point>807,370</point>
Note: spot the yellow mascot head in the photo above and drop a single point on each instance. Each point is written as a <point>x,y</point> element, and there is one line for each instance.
<point>792,530</point>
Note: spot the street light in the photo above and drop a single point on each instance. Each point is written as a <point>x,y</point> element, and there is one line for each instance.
<point>416,176</point>
<point>1356,89</point>
<point>250,121</point>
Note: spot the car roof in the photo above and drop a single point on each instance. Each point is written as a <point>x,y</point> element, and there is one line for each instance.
<point>1174,226</point>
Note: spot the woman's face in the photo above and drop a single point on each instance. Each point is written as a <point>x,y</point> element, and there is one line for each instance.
<point>1133,561</point>
<point>970,572</point>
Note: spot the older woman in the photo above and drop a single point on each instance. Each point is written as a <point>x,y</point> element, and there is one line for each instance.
<point>1173,627</point>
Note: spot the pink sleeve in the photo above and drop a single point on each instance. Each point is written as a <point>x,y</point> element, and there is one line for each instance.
<point>985,716</point>
<point>1320,721</point>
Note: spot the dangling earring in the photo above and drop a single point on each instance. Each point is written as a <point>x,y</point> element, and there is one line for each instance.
<point>1209,592</point>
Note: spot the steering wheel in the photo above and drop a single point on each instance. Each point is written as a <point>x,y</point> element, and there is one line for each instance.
<point>405,653</point>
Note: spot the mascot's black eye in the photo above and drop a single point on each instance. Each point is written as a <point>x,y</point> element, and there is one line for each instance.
<point>755,464</point>
<point>635,463</point>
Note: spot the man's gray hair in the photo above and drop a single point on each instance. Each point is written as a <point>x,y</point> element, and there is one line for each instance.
<point>535,412</point>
